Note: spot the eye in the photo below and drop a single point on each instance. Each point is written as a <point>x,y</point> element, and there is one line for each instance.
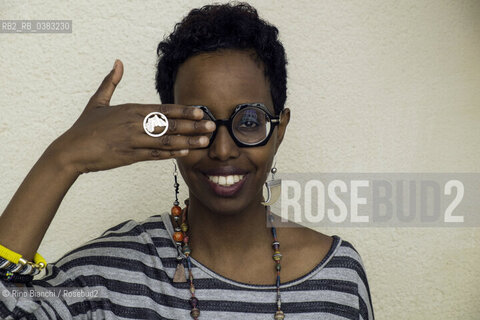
<point>248,124</point>
<point>249,120</point>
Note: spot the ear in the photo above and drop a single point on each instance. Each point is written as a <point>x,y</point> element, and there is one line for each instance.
<point>282,127</point>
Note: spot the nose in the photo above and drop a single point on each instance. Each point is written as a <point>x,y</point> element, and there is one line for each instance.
<point>223,147</point>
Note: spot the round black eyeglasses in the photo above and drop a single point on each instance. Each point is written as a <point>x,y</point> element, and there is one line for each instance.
<point>250,125</point>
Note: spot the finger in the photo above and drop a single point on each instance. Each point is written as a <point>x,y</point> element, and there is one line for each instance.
<point>155,154</point>
<point>169,142</point>
<point>176,111</point>
<point>183,127</point>
<point>107,87</point>
<point>188,127</point>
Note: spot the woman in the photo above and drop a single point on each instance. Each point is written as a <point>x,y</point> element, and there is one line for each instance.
<point>222,80</point>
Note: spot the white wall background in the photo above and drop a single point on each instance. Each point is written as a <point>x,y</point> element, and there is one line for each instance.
<point>384,86</point>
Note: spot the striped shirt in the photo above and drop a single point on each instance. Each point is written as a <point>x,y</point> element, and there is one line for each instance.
<point>128,273</point>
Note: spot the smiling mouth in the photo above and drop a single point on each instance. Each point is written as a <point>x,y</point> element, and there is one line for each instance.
<point>226,185</point>
<point>226,180</point>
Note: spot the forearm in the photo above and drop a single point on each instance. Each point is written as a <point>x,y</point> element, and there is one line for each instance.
<point>27,217</point>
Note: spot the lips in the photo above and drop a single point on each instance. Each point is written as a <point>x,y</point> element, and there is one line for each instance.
<point>225,181</point>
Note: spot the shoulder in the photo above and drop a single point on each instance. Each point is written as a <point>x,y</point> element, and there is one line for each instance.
<point>126,265</point>
<point>347,258</point>
<point>137,237</point>
<point>152,225</point>
<point>337,262</point>
<point>126,247</point>
<point>347,264</point>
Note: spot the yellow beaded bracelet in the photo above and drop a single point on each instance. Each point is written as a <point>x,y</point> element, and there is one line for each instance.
<point>39,261</point>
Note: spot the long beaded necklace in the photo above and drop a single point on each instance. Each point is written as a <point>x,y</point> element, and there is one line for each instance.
<point>181,239</point>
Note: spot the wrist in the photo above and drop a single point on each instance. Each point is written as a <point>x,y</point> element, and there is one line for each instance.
<point>57,157</point>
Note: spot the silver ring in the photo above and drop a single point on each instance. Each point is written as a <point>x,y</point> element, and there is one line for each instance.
<point>153,120</point>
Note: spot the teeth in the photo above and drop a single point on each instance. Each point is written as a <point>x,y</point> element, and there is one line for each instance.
<point>222,180</point>
<point>226,180</point>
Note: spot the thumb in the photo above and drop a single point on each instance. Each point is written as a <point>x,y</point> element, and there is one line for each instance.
<point>107,87</point>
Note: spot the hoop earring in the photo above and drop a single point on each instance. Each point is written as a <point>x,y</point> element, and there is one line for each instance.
<point>274,187</point>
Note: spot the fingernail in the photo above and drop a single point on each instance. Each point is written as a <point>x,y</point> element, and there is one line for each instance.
<point>115,64</point>
<point>210,125</point>
<point>198,112</point>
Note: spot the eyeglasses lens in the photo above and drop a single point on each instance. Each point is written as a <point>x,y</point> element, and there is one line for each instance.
<point>251,125</point>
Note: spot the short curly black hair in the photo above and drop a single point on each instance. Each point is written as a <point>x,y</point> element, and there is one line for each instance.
<point>234,25</point>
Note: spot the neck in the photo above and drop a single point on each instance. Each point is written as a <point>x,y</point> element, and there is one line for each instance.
<point>217,236</point>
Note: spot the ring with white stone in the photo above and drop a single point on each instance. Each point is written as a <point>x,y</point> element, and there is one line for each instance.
<point>153,120</point>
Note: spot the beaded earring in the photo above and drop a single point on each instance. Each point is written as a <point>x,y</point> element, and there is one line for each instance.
<point>178,235</point>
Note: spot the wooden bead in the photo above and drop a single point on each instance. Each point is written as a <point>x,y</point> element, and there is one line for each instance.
<point>195,313</point>
<point>193,302</point>
<point>176,211</point>
<point>178,236</point>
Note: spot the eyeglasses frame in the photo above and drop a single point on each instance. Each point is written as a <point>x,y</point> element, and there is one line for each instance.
<point>274,121</point>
